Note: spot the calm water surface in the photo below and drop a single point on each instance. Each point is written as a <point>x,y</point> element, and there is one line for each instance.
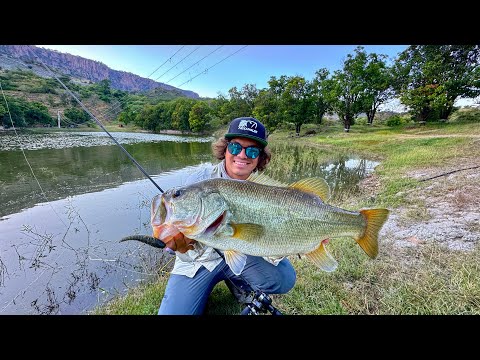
<point>60,253</point>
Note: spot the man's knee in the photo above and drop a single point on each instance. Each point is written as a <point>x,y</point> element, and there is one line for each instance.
<point>287,276</point>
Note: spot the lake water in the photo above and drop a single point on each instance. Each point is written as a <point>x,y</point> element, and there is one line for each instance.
<point>59,237</point>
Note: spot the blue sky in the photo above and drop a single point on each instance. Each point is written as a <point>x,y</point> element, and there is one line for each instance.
<point>237,65</point>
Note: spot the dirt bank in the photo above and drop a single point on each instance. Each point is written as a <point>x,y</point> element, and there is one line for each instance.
<point>444,210</point>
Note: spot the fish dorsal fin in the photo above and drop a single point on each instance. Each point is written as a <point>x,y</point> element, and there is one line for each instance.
<point>263,179</point>
<point>322,258</point>
<point>235,260</point>
<point>247,231</point>
<point>316,186</point>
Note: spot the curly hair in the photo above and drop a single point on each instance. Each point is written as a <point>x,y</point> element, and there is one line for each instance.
<point>220,146</point>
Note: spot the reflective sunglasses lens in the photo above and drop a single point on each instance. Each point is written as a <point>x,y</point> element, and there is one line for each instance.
<point>252,152</point>
<point>234,148</point>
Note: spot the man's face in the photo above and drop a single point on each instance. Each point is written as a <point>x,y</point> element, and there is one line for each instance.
<point>240,166</point>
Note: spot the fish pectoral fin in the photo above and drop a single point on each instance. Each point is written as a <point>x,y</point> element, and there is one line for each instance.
<point>322,258</point>
<point>235,260</point>
<point>316,186</point>
<point>247,231</point>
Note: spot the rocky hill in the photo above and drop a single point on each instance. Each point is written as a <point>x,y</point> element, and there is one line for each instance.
<point>84,70</point>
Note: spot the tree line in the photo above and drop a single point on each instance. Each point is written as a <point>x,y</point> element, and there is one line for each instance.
<point>426,79</point>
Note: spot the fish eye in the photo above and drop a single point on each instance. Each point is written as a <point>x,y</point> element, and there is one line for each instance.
<point>177,193</point>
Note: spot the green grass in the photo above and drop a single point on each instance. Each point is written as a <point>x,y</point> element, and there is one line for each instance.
<point>413,280</point>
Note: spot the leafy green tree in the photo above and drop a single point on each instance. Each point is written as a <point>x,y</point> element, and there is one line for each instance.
<point>104,91</point>
<point>146,118</point>
<point>127,115</point>
<point>296,101</point>
<point>377,78</point>
<point>199,116</point>
<point>452,70</point>
<point>278,86</point>
<point>266,109</point>
<point>163,113</point>
<point>217,108</point>
<point>319,89</point>
<point>37,113</point>
<point>240,102</point>
<point>249,93</point>
<point>344,90</point>
<point>16,108</point>
<point>78,116</point>
<point>180,114</point>
<point>425,102</point>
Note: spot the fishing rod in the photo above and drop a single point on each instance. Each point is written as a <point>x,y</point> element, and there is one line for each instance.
<point>261,302</point>
<point>103,128</point>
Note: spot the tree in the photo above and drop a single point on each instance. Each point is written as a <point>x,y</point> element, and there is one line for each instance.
<point>425,102</point>
<point>104,90</point>
<point>75,115</point>
<point>296,101</point>
<point>452,70</point>
<point>241,102</point>
<point>16,108</point>
<point>266,109</point>
<point>180,114</point>
<point>37,113</point>
<point>199,116</point>
<point>345,89</point>
<point>320,105</point>
<point>377,78</point>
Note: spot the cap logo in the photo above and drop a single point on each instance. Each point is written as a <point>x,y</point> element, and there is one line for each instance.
<point>248,125</point>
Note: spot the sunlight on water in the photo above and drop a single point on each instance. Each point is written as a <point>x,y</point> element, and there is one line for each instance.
<point>61,140</point>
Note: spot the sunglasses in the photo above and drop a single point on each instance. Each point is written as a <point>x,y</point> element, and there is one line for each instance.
<point>235,148</point>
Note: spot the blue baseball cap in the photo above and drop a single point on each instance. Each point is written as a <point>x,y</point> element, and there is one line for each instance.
<point>247,127</point>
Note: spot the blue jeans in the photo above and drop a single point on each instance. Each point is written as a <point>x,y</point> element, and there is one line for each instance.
<point>188,296</point>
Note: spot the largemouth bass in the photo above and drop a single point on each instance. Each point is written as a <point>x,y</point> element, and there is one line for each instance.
<point>262,218</point>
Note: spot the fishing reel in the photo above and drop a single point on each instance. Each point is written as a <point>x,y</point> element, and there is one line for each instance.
<point>261,303</point>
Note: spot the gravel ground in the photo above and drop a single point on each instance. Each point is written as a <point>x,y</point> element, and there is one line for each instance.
<point>446,211</point>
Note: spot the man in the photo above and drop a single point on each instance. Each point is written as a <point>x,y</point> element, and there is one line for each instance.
<point>198,268</point>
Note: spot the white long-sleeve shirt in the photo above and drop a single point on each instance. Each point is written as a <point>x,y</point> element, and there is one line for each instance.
<point>189,262</point>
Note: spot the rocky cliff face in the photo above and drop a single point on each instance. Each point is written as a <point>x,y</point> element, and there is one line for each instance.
<point>79,67</point>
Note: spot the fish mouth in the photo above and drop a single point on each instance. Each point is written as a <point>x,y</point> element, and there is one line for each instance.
<point>215,225</point>
<point>165,232</point>
<point>159,211</point>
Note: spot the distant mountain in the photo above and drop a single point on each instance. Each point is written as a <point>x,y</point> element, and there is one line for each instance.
<point>78,67</point>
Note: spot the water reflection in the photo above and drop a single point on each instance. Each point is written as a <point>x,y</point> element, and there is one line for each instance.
<point>64,256</point>
<point>342,171</point>
<point>77,170</point>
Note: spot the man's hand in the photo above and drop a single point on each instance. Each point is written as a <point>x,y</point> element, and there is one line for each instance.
<point>180,243</point>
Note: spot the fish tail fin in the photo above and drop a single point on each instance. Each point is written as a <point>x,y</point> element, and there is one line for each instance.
<point>375,218</point>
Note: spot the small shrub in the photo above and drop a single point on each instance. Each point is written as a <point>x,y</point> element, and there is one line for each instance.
<point>466,116</point>
<point>361,121</point>
<point>394,120</point>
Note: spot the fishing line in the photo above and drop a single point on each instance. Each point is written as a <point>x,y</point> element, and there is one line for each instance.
<point>39,185</point>
<point>23,153</point>
<point>46,200</point>
<point>103,128</point>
